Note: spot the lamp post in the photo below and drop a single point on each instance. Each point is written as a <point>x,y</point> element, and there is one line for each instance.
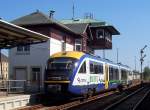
<point>142,60</point>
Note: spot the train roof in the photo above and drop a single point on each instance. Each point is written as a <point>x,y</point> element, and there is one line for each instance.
<point>72,54</point>
<point>78,55</point>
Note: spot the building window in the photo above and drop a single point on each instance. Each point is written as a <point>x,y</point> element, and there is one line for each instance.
<point>63,46</point>
<point>108,36</point>
<point>20,48</point>
<point>78,45</point>
<point>23,50</point>
<point>27,48</point>
<point>100,34</point>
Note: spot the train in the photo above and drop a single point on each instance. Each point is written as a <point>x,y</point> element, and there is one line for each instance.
<point>81,73</point>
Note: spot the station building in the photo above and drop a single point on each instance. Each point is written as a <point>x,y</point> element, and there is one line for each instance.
<point>28,62</point>
<point>11,36</point>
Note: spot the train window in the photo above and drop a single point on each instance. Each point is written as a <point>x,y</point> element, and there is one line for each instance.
<point>110,73</point>
<point>83,68</point>
<point>101,69</point>
<point>117,73</point>
<point>91,68</point>
<point>96,68</point>
<point>123,74</point>
<point>61,64</point>
<point>113,73</point>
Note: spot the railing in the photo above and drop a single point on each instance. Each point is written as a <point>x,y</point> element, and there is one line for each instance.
<point>18,86</point>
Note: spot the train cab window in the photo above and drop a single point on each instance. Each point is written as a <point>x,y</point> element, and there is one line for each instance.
<point>83,68</point>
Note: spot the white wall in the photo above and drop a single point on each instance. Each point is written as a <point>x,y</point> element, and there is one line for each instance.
<point>69,47</point>
<point>37,57</point>
<point>55,46</point>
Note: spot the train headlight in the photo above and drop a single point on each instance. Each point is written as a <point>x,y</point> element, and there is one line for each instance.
<point>76,64</point>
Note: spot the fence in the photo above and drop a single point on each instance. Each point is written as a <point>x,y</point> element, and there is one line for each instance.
<point>18,86</point>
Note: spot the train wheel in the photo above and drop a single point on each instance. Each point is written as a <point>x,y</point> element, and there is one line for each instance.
<point>85,95</point>
<point>120,87</point>
<point>94,91</point>
<point>90,92</point>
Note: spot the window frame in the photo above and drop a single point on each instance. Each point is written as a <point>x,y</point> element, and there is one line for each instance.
<point>100,36</point>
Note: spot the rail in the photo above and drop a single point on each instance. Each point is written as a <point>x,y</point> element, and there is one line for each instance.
<point>122,103</point>
<point>98,101</point>
<point>137,106</point>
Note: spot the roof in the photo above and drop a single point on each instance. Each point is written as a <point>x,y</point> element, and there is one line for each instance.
<point>73,54</point>
<point>33,18</point>
<point>75,21</point>
<point>78,28</point>
<point>37,18</point>
<point>93,23</point>
<point>12,35</point>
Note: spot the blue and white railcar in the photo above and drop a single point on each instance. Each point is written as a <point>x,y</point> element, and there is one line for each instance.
<point>80,73</point>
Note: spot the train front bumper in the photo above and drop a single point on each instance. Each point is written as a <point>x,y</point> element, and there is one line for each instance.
<point>57,86</point>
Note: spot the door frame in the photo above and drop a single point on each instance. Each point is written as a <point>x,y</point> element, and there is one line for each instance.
<point>20,67</point>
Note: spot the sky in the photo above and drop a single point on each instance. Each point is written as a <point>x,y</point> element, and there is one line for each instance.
<point>130,17</point>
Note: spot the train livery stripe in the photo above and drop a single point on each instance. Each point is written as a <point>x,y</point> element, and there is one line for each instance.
<point>114,81</point>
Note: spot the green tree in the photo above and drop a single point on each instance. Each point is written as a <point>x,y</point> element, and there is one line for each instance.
<point>146,73</point>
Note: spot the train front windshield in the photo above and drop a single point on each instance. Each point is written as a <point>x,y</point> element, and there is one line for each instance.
<point>60,68</point>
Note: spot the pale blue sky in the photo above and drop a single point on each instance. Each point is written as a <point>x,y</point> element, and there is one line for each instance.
<point>130,17</point>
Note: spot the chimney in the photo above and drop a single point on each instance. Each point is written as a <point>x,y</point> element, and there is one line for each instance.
<point>51,14</point>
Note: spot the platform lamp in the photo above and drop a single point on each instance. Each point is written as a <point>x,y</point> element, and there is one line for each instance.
<point>142,60</point>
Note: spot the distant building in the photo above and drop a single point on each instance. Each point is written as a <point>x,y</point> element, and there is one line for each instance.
<point>95,34</point>
<point>28,62</point>
<point>4,67</point>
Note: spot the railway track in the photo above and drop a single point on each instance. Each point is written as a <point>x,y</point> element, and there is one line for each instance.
<point>92,103</point>
<point>68,105</point>
<point>144,103</point>
<point>131,101</point>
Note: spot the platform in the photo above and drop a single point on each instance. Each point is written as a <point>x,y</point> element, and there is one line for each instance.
<point>13,101</point>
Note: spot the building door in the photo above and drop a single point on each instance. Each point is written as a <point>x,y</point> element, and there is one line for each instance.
<point>36,78</point>
<point>20,76</point>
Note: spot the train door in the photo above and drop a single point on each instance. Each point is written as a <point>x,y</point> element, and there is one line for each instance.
<point>106,76</point>
<point>82,75</point>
